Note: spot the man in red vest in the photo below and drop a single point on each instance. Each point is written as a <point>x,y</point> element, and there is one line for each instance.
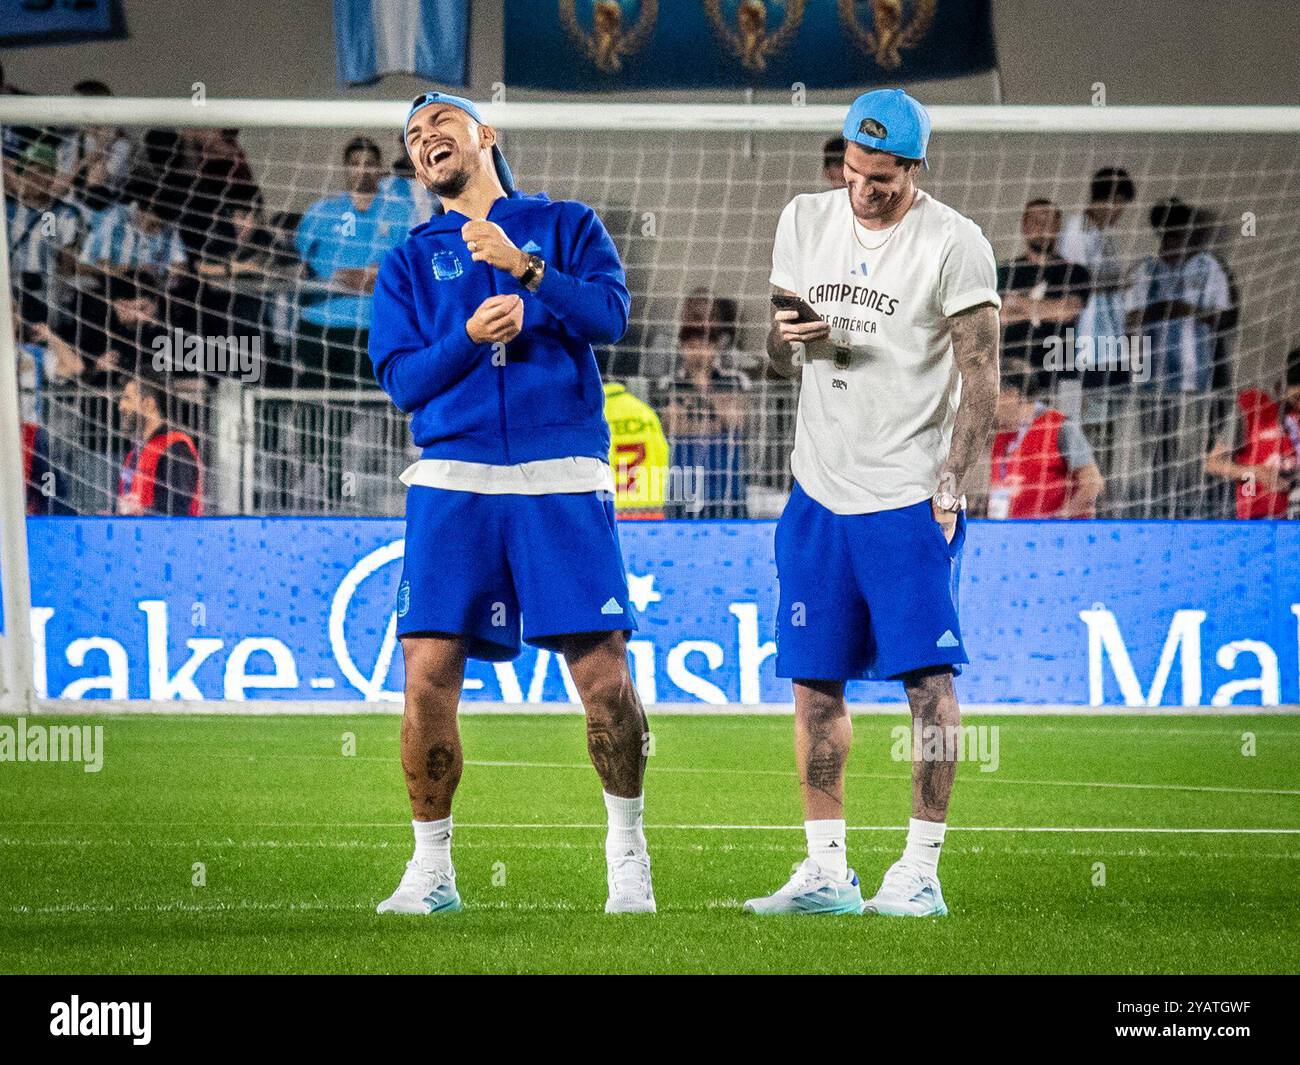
<point>163,473</point>
<point>1043,465</point>
<point>1259,449</point>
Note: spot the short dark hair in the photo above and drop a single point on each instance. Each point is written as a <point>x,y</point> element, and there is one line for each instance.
<point>1293,368</point>
<point>1171,214</point>
<point>362,144</point>
<point>1041,201</point>
<point>1112,183</point>
<point>722,319</point>
<point>153,384</point>
<point>833,152</point>
<point>91,87</point>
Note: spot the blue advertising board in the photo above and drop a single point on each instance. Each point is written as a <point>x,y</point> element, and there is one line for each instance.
<point>1122,613</point>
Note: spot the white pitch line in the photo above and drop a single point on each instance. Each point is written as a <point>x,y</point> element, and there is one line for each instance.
<point>983,778</point>
<point>601,825</point>
<point>712,848</point>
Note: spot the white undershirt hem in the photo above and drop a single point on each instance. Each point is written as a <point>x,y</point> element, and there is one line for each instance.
<point>579,473</point>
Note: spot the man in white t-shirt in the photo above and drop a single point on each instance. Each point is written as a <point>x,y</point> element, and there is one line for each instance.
<point>899,389</point>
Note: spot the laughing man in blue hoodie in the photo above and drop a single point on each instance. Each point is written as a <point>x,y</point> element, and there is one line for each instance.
<point>482,329</point>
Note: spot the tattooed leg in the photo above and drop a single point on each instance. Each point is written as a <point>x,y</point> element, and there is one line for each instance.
<point>431,754</point>
<point>617,734</point>
<point>937,717</point>
<point>822,736</point>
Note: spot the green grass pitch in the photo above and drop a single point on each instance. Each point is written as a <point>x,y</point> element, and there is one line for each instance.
<point>298,841</point>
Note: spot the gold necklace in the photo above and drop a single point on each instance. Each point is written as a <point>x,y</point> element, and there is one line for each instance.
<point>892,229</point>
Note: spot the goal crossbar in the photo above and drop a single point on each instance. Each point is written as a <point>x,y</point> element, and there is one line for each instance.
<point>653,117</point>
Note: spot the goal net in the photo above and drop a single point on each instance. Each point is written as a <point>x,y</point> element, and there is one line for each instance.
<point>240,238</point>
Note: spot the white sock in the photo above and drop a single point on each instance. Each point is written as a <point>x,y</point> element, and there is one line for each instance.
<point>433,843</point>
<point>827,848</point>
<point>625,835</point>
<point>924,838</point>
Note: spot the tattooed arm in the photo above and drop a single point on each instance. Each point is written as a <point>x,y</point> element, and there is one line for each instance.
<point>975,337</point>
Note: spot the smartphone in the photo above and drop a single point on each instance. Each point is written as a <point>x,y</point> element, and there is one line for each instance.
<point>783,302</point>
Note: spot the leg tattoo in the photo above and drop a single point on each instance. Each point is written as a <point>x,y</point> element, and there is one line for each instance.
<point>936,714</point>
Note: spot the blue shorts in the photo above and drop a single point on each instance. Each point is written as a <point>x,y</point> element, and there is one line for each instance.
<point>476,565</point>
<point>865,596</point>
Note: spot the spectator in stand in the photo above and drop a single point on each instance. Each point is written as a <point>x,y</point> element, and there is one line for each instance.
<point>94,162</point>
<point>342,238</point>
<point>43,230</point>
<point>1259,448</point>
<point>1042,295</point>
<point>132,235</point>
<point>1176,297</point>
<point>162,473</point>
<point>705,409</point>
<point>42,361</point>
<point>833,163</point>
<point>1042,464</point>
<point>1091,239</point>
<point>123,329</point>
<point>638,455</point>
<point>195,174</point>
<point>227,295</point>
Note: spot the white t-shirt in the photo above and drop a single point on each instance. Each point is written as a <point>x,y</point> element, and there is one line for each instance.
<point>879,398</point>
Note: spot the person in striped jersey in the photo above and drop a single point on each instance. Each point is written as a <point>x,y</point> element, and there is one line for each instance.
<point>132,235</point>
<point>43,230</point>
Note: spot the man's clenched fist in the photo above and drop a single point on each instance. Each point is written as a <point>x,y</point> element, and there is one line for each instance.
<point>488,243</point>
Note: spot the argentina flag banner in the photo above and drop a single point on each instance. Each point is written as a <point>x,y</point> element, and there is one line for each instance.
<point>424,37</point>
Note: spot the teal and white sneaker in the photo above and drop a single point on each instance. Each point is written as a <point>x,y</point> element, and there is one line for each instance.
<point>422,891</point>
<point>811,891</point>
<point>906,892</point>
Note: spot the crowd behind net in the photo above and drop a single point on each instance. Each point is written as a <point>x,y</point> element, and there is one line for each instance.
<point>122,235</point>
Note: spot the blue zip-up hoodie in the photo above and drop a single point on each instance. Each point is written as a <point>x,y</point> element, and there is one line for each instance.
<point>544,399</point>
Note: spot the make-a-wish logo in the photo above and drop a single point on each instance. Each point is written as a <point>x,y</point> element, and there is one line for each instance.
<point>446,266</point>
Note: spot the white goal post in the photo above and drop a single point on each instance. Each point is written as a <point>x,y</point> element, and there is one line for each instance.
<point>577,119</point>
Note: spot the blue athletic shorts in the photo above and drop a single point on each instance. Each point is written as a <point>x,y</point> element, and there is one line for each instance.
<point>476,564</point>
<point>865,596</point>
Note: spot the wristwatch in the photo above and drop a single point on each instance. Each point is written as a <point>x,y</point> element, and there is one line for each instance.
<point>945,500</point>
<point>531,278</point>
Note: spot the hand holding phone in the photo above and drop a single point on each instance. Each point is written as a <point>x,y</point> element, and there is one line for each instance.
<point>796,322</point>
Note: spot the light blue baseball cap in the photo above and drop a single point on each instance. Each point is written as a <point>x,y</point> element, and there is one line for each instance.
<point>429,99</point>
<point>890,121</point>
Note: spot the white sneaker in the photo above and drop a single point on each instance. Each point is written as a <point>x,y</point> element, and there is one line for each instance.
<point>907,892</point>
<point>423,890</point>
<point>811,891</point>
<point>630,890</point>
